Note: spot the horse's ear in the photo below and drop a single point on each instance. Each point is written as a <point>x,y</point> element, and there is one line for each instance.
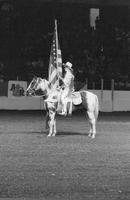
<point>35,77</point>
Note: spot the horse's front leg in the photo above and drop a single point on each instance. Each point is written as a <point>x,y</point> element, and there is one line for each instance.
<point>54,128</point>
<point>50,128</point>
<point>47,121</point>
<point>52,124</point>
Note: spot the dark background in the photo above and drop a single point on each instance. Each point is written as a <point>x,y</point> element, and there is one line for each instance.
<point>27,30</point>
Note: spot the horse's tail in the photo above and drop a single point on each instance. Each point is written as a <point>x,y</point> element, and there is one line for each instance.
<point>96,110</point>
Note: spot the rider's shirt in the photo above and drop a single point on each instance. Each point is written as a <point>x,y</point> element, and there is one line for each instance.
<point>69,80</point>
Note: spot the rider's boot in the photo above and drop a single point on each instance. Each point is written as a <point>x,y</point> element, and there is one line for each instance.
<point>64,111</point>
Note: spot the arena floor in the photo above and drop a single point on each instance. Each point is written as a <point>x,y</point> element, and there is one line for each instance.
<point>70,166</point>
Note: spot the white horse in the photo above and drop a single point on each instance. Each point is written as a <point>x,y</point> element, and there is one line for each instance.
<point>88,101</point>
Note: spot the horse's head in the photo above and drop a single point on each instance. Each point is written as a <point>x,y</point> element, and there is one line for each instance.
<point>37,84</point>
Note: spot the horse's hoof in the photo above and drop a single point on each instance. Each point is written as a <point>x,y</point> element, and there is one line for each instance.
<point>62,113</point>
<point>49,135</point>
<point>93,136</point>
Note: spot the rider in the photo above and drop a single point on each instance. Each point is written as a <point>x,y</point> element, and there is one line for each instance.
<point>68,85</point>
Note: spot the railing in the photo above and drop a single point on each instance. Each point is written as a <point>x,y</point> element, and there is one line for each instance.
<point>89,84</point>
<point>104,85</point>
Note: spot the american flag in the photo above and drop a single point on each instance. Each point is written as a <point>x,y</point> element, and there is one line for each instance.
<point>55,63</point>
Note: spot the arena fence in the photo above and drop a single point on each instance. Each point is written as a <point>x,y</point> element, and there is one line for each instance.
<point>108,84</point>
<point>110,99</point>
<point>18,87</point>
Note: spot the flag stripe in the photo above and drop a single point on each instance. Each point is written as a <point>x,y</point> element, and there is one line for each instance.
<point>55,63</point>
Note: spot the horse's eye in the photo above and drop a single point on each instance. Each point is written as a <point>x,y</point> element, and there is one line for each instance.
<point>32,83</point>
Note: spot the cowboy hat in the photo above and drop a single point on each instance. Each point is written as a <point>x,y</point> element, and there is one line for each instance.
<point>68,65</point>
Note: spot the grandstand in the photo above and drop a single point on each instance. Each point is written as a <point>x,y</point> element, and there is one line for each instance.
<point>96,53</point>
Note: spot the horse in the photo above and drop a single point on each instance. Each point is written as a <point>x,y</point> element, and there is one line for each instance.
<point>88,101</point>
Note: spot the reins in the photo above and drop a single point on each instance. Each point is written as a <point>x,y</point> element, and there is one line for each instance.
<point>37,96</point>
<point>33,93</point>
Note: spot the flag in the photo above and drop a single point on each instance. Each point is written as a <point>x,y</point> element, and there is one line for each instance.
<point>55,63</point>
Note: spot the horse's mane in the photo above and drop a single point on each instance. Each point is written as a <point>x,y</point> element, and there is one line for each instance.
<point>47,83</point>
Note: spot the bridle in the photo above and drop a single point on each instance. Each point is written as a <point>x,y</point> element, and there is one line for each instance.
<point>33,91</point>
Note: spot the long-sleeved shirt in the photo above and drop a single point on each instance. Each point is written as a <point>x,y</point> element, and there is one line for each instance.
<point>69,80</point>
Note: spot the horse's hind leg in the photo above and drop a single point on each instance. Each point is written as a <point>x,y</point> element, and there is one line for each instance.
<point>92,121</point>
<point>90,124</point>
<point>90,130</point>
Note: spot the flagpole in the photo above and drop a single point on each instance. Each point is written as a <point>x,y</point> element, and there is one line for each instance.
<point>57,49</point>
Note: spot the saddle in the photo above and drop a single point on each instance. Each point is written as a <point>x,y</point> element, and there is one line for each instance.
<point>73,99</point>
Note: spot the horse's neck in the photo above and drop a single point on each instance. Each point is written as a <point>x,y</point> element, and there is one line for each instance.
<point>53,93</point>
<point>45,87</point>
<point>49,91</point>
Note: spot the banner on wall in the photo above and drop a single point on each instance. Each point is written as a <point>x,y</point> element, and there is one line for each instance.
<point>16,88</point>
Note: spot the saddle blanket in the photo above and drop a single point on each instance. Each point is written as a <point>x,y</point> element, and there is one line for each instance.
<point>76,98</point>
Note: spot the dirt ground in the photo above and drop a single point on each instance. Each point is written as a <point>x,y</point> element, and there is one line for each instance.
<point>70,166</point>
